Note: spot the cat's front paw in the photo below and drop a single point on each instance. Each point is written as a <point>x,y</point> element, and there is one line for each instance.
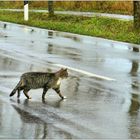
<point>29,97</point>
<point>64,97</point>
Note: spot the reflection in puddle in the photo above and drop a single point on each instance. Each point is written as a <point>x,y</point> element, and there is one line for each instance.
<point>9,64</point>
<point>56,104</point>
<point>135,63</point>
<point>65,35</point>
<point>135,104</point>
<point>3,35</point>
<point>67,52</point>
<point>135,49</point>
<point>34,127</point>
<point>32,30</point>
<point>134,123</point>
<point>4,25</point>
<point>134,110</point>
<point>26,116</point>
<point>135,67</point>
<point>50,34</point>
<point>39,128</point>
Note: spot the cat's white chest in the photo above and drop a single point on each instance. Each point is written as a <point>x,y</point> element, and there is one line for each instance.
<point>59,81</point>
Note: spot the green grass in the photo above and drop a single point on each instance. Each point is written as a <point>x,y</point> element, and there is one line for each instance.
<point>118,7</point>
<point>100,27</point>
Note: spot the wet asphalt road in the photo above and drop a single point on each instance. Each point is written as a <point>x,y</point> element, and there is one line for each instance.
<point>103,89</point>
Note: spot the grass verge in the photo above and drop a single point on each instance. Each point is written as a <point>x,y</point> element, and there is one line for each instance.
<point>96,26</point>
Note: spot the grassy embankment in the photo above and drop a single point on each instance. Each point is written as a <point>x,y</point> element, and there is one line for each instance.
<point>119,7</point>
<point>100,27</point>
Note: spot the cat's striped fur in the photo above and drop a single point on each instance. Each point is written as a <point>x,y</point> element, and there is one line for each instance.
<point>35,80</point>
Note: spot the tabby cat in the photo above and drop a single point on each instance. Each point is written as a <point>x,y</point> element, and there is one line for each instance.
<point>35,80</point>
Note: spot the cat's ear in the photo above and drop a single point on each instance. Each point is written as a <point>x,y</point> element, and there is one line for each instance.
<point>61,69</point>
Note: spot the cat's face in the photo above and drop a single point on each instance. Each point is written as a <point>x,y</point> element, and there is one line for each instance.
<point>64,73</point>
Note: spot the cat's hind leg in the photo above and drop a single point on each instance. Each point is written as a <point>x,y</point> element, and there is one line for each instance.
<point>19,89</point>
<point>25,91</point>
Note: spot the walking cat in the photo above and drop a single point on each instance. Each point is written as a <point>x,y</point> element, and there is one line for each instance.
<point>35,80</point>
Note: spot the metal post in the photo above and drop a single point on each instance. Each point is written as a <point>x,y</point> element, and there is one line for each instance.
<point>26,11</point>
<point>50,8</point>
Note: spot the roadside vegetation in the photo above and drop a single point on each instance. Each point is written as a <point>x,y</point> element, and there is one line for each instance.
<point>119,7</point>
<point>97,26</point>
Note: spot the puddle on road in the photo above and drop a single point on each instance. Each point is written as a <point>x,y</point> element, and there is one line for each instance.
<point>71,53</point>
<point>89,104</point>
<point>16,123</point>
<point>64,46</point>
<point>95,108</point>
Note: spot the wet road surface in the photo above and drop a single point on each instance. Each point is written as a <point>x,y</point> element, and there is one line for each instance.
<point>103,89</point>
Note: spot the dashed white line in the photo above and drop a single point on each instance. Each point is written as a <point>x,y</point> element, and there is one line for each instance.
<point>86,73</point>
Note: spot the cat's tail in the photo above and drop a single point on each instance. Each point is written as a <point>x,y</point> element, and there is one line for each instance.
<point>15,89</point>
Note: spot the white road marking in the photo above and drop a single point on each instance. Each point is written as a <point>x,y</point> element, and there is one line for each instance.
<point>86,73</point>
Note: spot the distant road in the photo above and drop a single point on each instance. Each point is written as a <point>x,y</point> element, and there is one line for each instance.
<point>88,14</point>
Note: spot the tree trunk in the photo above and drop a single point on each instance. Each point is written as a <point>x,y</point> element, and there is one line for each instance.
<point>136,14</point>
<point>50,8</point>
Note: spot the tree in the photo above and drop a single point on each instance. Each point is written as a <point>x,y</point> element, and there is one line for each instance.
<point>136,5</point>
<point>50,8</point>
